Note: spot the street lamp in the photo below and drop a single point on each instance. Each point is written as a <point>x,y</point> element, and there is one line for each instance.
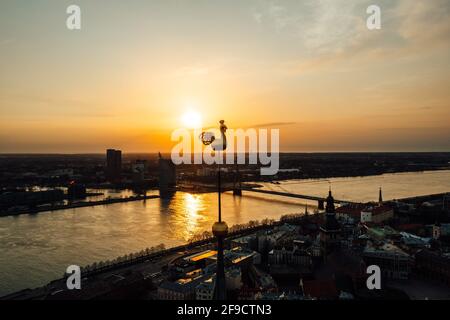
<point>219,228</point>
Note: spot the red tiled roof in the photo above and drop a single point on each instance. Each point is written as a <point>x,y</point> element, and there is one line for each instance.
<point>352,210</point>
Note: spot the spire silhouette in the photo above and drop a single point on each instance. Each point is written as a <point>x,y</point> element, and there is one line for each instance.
<point>380,197</point>
<point>330,208</point>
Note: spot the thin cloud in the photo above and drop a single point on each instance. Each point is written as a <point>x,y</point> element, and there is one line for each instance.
<point>272,124</point>
<point>334,31</point>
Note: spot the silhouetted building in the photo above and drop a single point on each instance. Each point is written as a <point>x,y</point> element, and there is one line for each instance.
<point>393,261</point>
<point>368,212</point>
<point>380,197</point>
<point>167,177</point>
<point>322,289</point>
<point>433,265</point>
<point>220,231</point>
<point>113,165</point>
<point>139,169</point>
<point>76,191</point>
<point>182,289</point>
<point>377,214</point>
<point>446,202</point>
<point>28,198</point>
<point>330,232</point>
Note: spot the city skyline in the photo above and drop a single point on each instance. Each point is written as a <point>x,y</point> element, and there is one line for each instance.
<point>311,69</point>
<point>268,154</point>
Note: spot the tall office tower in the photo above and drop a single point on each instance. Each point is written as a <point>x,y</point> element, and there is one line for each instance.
<point>167,177</point>
<point>113,165</point>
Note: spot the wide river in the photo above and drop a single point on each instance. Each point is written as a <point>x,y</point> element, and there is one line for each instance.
<point>35,249</point>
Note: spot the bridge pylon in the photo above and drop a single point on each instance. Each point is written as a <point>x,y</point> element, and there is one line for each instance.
<point>237,192</point>
<point>237,184</point>
<point>320,205</point>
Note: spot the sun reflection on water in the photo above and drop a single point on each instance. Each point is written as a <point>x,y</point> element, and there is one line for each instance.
<point>194,207</point>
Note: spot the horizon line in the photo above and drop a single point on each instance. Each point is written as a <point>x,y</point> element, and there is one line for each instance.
<point>168,152</point>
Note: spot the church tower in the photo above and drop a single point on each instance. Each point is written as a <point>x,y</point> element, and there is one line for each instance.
<point>330,231</point>
<point>380,198</point>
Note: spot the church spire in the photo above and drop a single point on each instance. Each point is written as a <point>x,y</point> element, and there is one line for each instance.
<point>330,203</point>
<point>380,197</point>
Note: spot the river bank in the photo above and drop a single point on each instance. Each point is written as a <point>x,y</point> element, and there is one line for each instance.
<point>80,204</point>
<point>37,248</point>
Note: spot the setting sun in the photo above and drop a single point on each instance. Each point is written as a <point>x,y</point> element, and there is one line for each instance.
<point>192,120</point>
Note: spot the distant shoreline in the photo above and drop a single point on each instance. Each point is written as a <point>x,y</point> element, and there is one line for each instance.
<point>77,205</point>
<point>101,153</point>
<point>366,175</point>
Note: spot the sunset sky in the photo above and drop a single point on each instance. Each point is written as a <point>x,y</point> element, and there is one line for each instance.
<point>310,68</point>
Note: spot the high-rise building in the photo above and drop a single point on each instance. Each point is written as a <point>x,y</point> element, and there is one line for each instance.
<point>113,165</point>
<point>76,191</point>
<point>167,177</point>
<point>139,169</point>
